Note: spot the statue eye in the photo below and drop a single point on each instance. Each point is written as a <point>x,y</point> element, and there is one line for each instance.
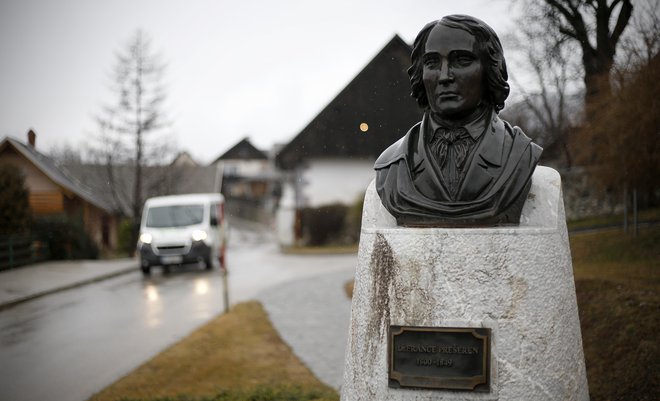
<point>431,61</point>
<point>463,60</point>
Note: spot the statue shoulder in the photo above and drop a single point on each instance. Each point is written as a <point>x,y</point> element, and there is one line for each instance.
<point>512,130</point>
<point>518,135</point>
<point>398,150</point>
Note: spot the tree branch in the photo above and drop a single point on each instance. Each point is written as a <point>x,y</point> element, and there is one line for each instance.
<point>613,5</point>
<point>567,31</point>
<point>622,21</point>
<point>574,19</point>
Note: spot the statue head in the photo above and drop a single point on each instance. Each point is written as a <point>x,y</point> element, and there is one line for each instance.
<point>489,68</point>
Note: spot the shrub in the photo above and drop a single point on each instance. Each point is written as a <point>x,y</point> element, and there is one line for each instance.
<point>334,224</point>
<point>125,236</point>
<point>66,238</point>
<point>15,215</point>
<point>323,225</point>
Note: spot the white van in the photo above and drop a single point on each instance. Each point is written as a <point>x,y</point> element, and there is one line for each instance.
<point>182,229</point>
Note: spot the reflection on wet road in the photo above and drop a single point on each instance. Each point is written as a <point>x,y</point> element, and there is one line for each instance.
<point>68,345</point>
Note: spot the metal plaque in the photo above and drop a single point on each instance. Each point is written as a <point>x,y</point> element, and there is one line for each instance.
<point>455,358</point>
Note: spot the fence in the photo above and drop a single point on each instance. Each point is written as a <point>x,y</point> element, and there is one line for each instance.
<point>21,250</point>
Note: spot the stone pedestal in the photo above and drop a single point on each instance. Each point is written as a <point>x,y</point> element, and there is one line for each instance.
<point>517,281</point>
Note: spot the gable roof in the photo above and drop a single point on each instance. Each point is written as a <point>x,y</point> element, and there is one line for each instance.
<point>378,96</point>
<point>57,174</point>
<point>243,150</point>
<point>183,159</point>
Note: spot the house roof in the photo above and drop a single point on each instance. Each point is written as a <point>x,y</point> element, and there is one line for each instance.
<point>243,150</point>
<point>378,96</point>
<point>184,159</point>
<point>58,174</point>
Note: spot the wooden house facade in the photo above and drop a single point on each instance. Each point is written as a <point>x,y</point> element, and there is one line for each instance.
<point>53,191</point>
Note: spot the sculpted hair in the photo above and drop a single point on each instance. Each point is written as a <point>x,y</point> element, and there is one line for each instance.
<point>490,52</point>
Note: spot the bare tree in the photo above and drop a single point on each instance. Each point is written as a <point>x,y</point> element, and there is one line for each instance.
<point>621,138</point>
<point>630,126</point>
<point>65,153</point>
<point>128,126</point>
<point>629,102</point>
<point>548,111</point>
<point>595,26</point>
<point>110,153</point>
<point>642,42</point>
<point>618,64</point>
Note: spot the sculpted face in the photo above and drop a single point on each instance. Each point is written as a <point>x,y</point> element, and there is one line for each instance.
<point>453,73</point>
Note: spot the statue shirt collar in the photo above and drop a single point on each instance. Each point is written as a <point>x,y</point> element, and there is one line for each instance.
<point>475,127</point>
<point>399,150</point>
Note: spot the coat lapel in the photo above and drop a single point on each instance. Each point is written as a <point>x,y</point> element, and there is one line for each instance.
<point>486,162</point>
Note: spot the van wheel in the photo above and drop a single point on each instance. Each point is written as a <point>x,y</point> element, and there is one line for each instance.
<point>146,270</point>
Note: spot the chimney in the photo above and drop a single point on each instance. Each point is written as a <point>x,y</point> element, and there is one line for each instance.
<point>32,139</point>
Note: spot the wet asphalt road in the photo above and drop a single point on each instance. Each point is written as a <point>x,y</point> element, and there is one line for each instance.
<point>69,345</point>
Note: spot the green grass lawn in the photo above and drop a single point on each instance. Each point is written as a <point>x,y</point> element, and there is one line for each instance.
<point>652,214</point>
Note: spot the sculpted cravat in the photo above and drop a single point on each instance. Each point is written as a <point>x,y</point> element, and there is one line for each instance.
<point>450,146</point>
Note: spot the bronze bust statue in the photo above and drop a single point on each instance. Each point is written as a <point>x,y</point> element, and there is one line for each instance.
<point>461,165</point>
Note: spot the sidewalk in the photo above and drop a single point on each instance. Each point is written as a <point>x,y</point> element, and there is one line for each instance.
<point>312,316</point>
<point>29,282</point>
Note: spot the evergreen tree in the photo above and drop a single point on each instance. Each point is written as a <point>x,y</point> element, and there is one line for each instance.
<point>15,215</point>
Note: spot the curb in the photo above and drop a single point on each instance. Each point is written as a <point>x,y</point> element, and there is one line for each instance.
<point>36,295</point>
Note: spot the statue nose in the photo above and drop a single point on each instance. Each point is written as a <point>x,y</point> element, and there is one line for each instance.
<point>445,74</point>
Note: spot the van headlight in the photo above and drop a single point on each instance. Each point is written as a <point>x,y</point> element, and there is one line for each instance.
<point>199,235</point>
<point>146,238</point>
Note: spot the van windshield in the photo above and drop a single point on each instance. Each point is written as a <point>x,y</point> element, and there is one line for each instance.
<point>175,216</point>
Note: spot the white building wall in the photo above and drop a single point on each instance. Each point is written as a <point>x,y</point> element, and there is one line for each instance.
<point>327,181</point>
<point>245,168</point>
<point>285,218</point>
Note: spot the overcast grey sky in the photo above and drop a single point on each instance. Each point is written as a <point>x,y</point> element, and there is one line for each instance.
<point>261,69</point>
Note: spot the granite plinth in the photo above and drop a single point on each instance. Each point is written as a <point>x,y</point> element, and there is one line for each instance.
<point>516,281</point>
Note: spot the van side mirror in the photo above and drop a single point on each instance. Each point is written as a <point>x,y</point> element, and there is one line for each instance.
<point>214,221</point>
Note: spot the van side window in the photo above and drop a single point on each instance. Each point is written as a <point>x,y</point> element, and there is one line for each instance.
<point>214,214</point>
